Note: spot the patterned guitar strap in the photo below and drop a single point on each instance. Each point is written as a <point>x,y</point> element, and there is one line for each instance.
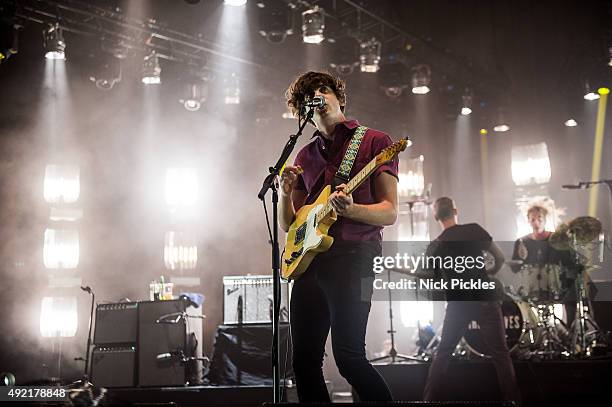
<point>344,171</point>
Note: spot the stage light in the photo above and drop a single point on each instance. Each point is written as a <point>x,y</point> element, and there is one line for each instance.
<point>107,74</point>
<point>62,184</point>
<point>61,249</point>
<point>313,25</point>
<point>530,164</point>
<point>344,52</point>
<point>196,95</point>
<point>275,21</point>
<point>411,178</point>
<point>53,41</point>
<point>232,90</point>
<point>589,92</point>
<point>502,125</point>
<point>180,251</point>
<point>483,132</point>
<point>466,105</point>
<point>7,379</point>
<point>571,123</point>
<point>58,317</point>
<point>235,3</point>
<point>369,55</point>
<point>181,187</point>
<point>603,91</point>
<point>151,70</point>
<point>421,78</point>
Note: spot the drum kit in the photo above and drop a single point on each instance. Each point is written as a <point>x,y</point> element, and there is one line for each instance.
<point>531,310</point>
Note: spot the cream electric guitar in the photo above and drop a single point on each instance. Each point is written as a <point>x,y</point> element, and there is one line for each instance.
<point>308,234</point>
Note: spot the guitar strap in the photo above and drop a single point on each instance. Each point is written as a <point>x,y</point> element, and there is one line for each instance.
<point>344,171</point>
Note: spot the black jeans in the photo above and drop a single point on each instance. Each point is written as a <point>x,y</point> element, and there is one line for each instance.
<point>335,292</point>
<point>458,316</point>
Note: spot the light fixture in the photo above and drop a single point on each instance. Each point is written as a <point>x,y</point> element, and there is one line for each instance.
<point>571,123</point>
<point>151,70</point>
<point>53,41</point>
<point>369,55</point>
<point>610,56</point>
<point>61,184</point>
<point>235,3</point>
<point>181,187</point>
<point>421,78</point>
<point>61,249</point>
<point>58,317</point>
<point>313,25</point>
<point>344,51</point>
<point>589,93</point>
<point>180,251</point>
<point>232,90</point>
<point>275,21</point>
<point>502,125</point>
<point>7,379</point>
<point>603,91</point>
<point>530,164</point>
<point>195,96</point>
<point>466,103</point>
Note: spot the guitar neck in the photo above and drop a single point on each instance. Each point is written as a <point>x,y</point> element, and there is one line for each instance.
<point>352,185</point>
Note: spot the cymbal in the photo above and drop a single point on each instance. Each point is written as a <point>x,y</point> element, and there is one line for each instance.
<point>585,229</point>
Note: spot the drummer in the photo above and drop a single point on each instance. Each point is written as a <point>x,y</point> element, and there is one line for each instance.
<point>534,248</point>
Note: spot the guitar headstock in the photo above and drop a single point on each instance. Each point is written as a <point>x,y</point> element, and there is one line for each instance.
<point>392,151</point>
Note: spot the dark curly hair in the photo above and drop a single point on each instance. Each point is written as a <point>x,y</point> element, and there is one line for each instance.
<point>304,86</point>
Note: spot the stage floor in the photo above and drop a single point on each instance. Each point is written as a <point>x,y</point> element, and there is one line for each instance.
<point>546,383</point>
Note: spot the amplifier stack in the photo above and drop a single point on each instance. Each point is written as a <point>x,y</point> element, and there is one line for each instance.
<point>144,343</point>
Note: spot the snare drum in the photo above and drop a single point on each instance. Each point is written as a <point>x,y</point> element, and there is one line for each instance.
<point>520,324</point>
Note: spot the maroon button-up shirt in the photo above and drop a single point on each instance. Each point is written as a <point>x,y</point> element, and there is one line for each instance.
<point>320,160</point>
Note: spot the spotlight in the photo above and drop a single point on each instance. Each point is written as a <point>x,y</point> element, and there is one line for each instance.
<point>610,56</point>
<point>369,55</point>
<point>196,95</point>
<point>466,106</point>
<point>589,93</point>
<point>236,3</point>
<point>7,379</point>
<point>603,91</point>
<point>274,21</point>
<point>54,43</point>
<point>232,90</point>
<point>313,25</point>
<point>107,75</point>
<point>421,78</point>
<point>344,51</point>
<point>151,71</point>
<point>501,125</point>
<point>9,41</point>
<point>571,123</point>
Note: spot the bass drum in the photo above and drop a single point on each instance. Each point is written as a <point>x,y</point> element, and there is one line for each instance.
<point>520,323</point>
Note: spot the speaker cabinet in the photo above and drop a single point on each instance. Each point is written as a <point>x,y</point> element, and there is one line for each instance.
<point>114,366</point>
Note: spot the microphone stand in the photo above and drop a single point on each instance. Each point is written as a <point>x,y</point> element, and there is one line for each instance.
<point>84,381</point>
<point>270,183</point>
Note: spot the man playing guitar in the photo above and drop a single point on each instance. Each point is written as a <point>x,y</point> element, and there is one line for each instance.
<point>335,290</point>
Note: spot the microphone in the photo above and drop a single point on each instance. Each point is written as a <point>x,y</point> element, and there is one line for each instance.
<point>317,101</point>
<point>86,288</point>
<point>573,186</point>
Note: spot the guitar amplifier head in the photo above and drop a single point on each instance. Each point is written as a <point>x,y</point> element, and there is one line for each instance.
<point>248,300</point>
